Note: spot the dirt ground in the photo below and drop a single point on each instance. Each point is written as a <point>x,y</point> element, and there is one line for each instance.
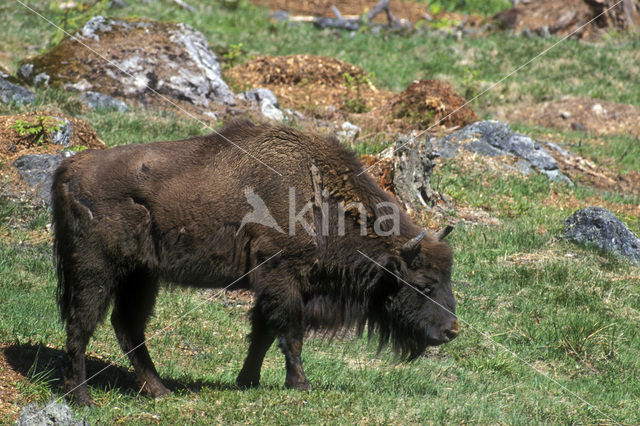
<point>424,104</point>
<point>314,85</point>
<point>573,113</point>
<point>331,89</point>
<point>411,11</point>
<point>10,399</point>
<point>13,145</point>
<point>565,17</point>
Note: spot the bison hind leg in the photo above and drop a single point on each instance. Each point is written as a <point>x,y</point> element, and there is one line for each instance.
<point>88,307</point>
<point>134,301</point>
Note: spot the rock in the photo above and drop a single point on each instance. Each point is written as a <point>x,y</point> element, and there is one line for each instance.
<point>493,138</point>
<point>95,25</point>
<point>349,132</point>
<point>599,227</point>
<point>597,109</point>
<point>578,126</point>
<point>41,80</point>
<point>280,15</point>
<point>267,100</point>
<point>51,414</point>
<point>62,136</point>
<point>100,101</point>
<point>36,170</point>
<point>258,94</point>
<point>10,92</point>
<point>271,111</point>
<point>145,58</point>
<point>25,71</point>
<point>118,4</point>
<point>565,115</point>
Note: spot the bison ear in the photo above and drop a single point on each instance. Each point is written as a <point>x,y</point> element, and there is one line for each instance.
<point>411,248</point>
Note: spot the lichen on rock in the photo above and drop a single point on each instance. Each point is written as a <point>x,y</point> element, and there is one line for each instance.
<point>134,59</point>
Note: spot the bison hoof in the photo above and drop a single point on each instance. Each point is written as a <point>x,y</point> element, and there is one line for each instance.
<point>83,398</point>
<point>155,390</point>
<point>299,385</point>
<point>246,382</point>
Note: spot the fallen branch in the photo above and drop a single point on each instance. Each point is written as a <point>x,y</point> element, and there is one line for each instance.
<point>186,6</point>
<point>353,24</point>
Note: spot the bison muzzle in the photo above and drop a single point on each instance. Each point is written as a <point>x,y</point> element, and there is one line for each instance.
<point>332,251</point>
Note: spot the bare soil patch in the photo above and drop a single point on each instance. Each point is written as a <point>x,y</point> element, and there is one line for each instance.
<point>10,399</point>
<point>569,17</point>
<point>412,12</point>
<point>424,104</point>
<point>315,85</point>
<point>579,113</point>
<point>14,145</point>
<point>331,89</point>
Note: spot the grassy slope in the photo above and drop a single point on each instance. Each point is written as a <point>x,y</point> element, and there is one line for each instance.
<point>569,312</point>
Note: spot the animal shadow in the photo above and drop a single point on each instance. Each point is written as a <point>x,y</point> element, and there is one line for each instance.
<point>47,365</point>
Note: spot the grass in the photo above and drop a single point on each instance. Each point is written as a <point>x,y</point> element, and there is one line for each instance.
<point>549,328</point>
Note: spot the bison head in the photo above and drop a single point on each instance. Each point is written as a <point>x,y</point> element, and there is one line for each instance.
<point>419,306</point>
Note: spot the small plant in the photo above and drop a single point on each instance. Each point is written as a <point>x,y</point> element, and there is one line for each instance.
<point>233,55</point>
<point>38,129</point>
<point>357,103</point>
<point>74,15</point>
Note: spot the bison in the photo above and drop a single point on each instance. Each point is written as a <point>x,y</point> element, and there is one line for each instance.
<point>204,211</point>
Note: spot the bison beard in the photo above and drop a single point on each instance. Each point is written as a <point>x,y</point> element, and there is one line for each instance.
<point>128,217</point>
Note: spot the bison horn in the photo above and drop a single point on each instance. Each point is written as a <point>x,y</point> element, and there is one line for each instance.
<point>442,234</point>
<point>414,243</point>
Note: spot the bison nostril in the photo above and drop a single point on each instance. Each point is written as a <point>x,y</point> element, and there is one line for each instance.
<point>452,332</point>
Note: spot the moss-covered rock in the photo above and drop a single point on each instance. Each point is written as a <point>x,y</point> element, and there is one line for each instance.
<point>133,59</point>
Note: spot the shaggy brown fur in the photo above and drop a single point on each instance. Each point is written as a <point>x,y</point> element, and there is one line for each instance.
<point>127,217</point>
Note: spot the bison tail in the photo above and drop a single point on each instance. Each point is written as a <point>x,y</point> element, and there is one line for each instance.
<point>64,224</point>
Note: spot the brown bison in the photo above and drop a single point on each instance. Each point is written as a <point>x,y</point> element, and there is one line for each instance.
<point>318,241</point>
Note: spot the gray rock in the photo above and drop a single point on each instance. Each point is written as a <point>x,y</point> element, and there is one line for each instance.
<point>118,4</point>
<point>493,138</point>
<point>206,80</point>
<point>412,167</point>
<point>271,111</point>
<point>52,413</point>
<point>100,101</point>
<point>36,170</point>
<point>578,126</point>
<point>187,69</point>
<point>599,227</point>
<point>280,15</point>
<point>25,71</point>
<point>10,92</point>
<point>267,100</point>
<point>62,136</point>
<point>41,80</point>
<point>93,26</point>
<point>258,94</point>
<point>349,131</point>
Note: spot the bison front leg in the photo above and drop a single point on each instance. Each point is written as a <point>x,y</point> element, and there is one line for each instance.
<point>260,340</point>
<point>277,313</point>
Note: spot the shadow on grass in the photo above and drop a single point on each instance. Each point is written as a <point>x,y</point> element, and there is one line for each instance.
<point>40,363</point>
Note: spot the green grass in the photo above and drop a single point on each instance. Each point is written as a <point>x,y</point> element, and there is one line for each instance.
<point>549,328</point>
<point>606,71</point>
<point>524,305</point>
